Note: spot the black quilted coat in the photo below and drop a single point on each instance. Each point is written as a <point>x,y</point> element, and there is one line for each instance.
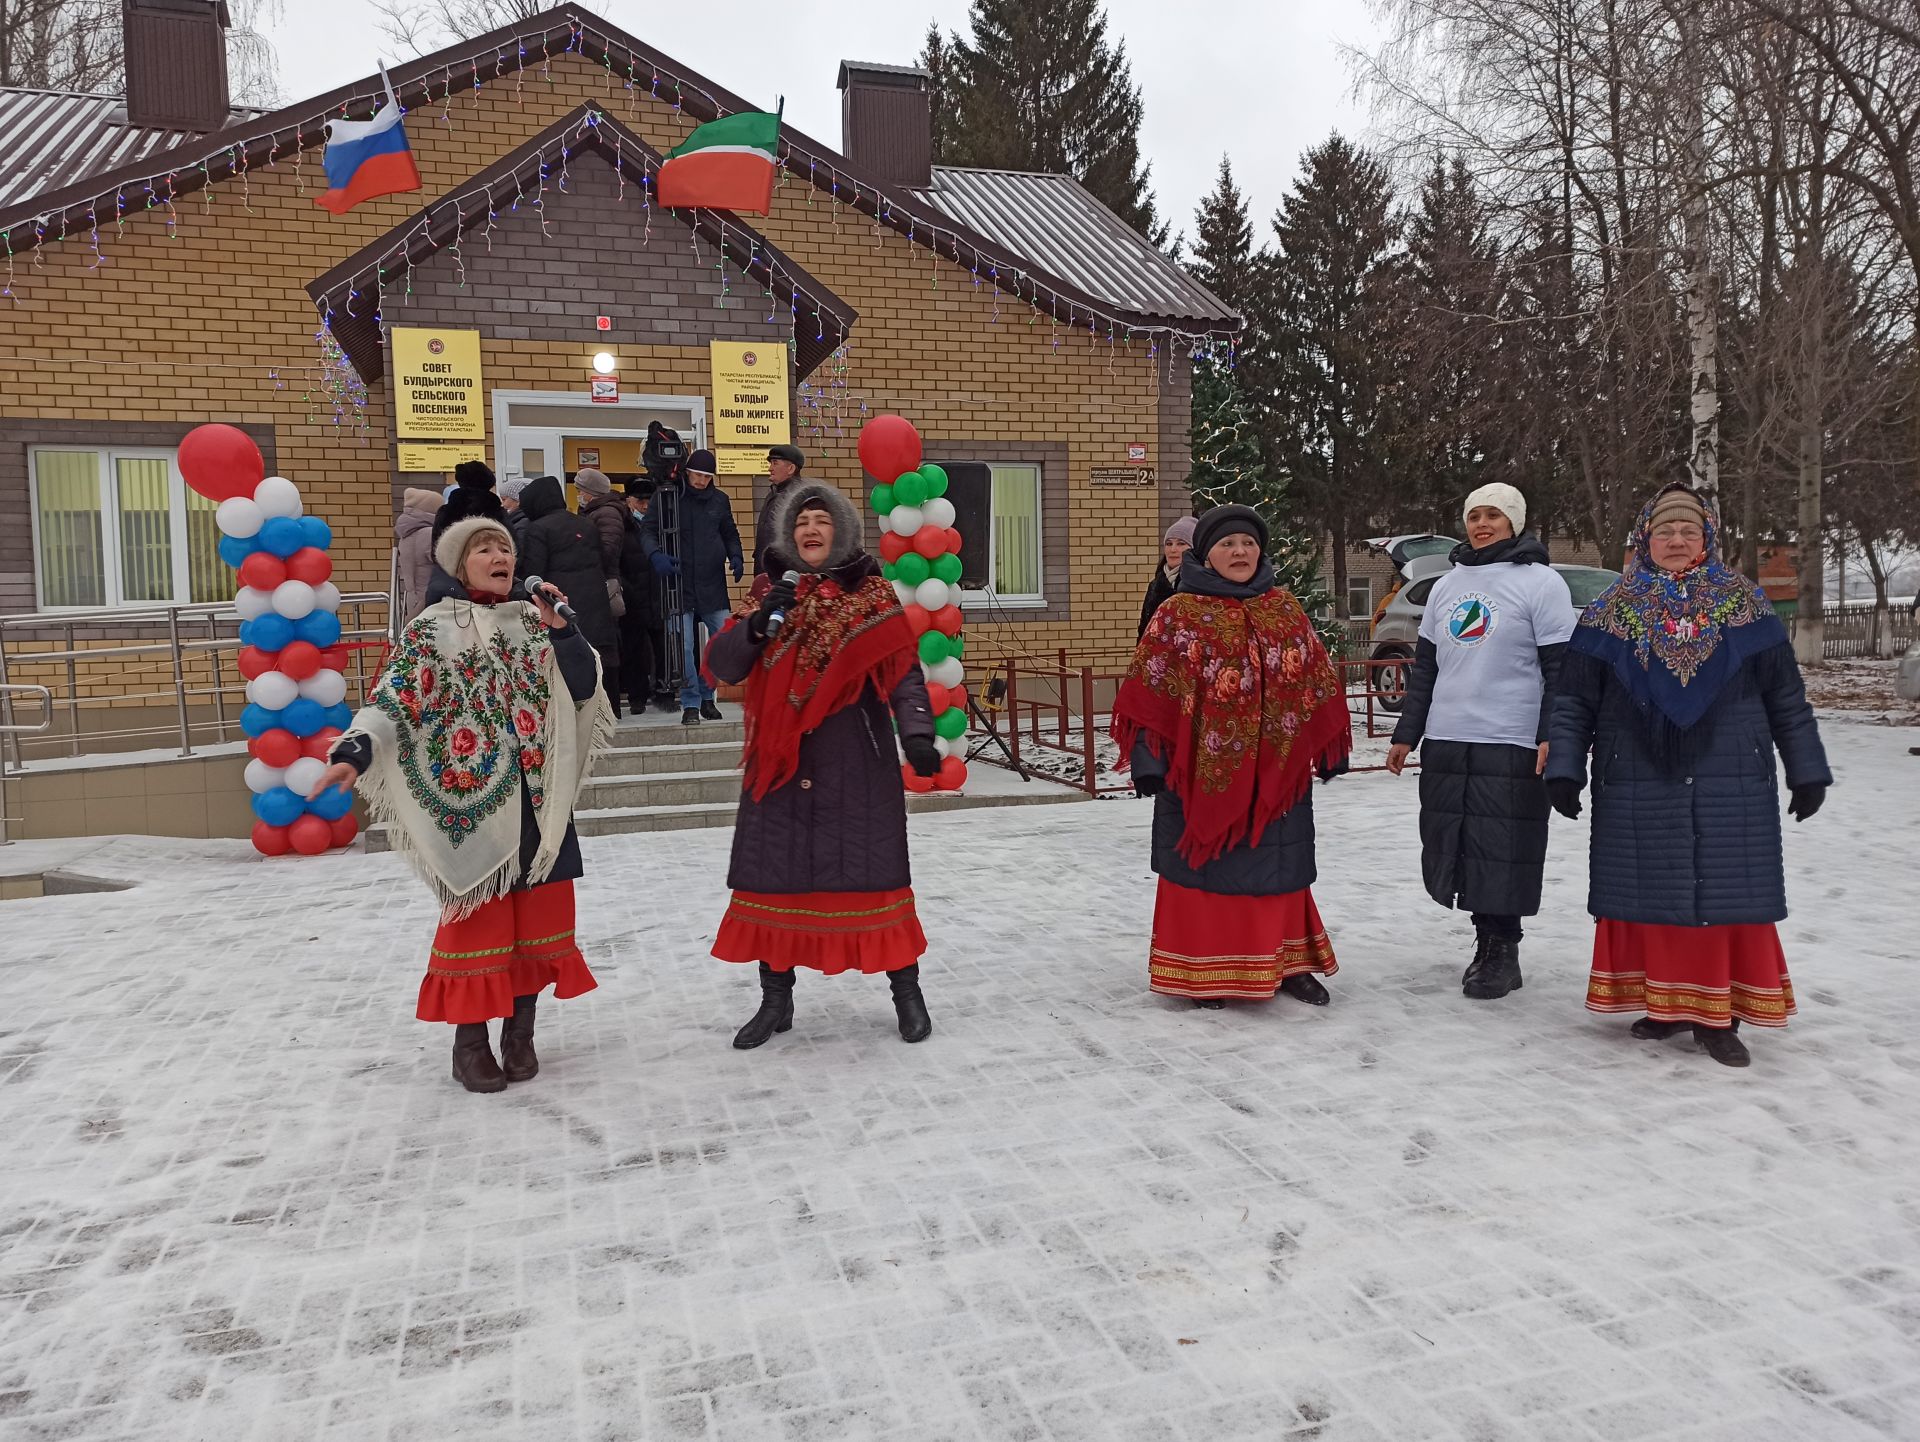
<point>1281,860</point>
<point>1688,835</point>
<point>1483,826</point>
<point>565,549</point>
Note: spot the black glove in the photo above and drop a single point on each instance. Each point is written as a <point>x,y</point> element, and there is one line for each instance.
<point>1149,785</point>
<point>922,755</point>
<point>779,597</point>
<point>1564,795</point>
<point>1807,799</point>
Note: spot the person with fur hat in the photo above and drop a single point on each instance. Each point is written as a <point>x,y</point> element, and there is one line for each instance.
<point>1478,701</point>
<point>820,871</point>
<point>1166,575</point>
<point>472,748</point>
<point>413,547</point>
<point>690,533</point>
<point>784,464</point>
<point>472,495</point>
<point>1230,709</point>
<point>1680,682</point>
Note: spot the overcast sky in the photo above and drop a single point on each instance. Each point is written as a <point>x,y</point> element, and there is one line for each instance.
<point>1259,79</point>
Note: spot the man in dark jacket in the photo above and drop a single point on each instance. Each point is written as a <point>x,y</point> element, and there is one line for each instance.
<point>473,495</point>
<point>565,549</point>
<point>784,464</point>
<point>689,533</point>
<point>642,637</point>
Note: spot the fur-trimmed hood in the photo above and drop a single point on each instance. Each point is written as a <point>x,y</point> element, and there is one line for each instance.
<point>798,495</point>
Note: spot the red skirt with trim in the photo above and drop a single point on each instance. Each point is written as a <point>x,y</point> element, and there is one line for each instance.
<point>1209,945</point>
<point>1709,975</point>
<point>515,945</point>
<point>827,931</point>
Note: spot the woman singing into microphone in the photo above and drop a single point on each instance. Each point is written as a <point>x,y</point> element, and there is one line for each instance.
<point>819,871</point>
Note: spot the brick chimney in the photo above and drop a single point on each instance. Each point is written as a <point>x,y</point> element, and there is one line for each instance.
<point>886,125</point>
<point>176,63</point>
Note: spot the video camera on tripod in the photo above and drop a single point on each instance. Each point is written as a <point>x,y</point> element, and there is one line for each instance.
<point>664,455</point>
<point>665,458</point>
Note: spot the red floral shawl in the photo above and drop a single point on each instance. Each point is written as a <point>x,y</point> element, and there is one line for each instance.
<point>844,630</point>
<point>1243,700</point>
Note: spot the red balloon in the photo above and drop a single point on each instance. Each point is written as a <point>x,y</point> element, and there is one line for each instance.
<point>255,662</point>
<point>334,658</point>
<point>953,774</point>
<point>957,696</point>
<point>320,743</point>
<point>889,448</point>
<point>310,835</point>
<point>893,546</point>
<point>271,840</point>
<point>953,541</point>
<point>919,619</point>
<point>277,747</point>
<point>309,564</point>
<point>345,829</point>
<point>221,462</point>
<point>914,781</point>
<point>930,541</point>
<point>300,659</point>
<point>263,571</point>
<point>948,620</point>
<point>938,697</point>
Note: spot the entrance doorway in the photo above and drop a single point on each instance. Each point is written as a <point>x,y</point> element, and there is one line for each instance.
<point>542,433</point>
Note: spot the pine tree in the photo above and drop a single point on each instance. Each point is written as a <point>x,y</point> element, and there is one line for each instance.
<point>937,60</point>
<point>1037,86</point>
<point>1223,259</point>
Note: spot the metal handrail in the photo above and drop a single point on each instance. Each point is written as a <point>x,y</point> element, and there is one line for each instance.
<point>12,728</point>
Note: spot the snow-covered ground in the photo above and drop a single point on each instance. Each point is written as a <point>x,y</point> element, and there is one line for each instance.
<point>241,1198</point>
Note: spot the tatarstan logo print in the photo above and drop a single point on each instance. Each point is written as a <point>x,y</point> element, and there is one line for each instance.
<point>1473,619</point>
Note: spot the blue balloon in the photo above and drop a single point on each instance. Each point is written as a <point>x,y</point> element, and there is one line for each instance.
<point>340,716</point>
<point>332,803</point>
<point>304,717</point>
<point>257,720</point>
<point>235,549</point>
<point>282,536</point>
<point>269,633</point>
<point>316,532</point>
<point>319,628</point>
<point>278,807</point>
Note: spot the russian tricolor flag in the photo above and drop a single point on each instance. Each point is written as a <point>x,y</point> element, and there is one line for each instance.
<point>367,158</point>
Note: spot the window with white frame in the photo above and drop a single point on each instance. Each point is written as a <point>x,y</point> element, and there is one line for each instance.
<point>1359,596</point>
<point>997,512</point>
<point>117,526</point>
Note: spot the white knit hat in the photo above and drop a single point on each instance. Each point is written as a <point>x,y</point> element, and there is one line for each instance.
<point>451,549</point>
<point>1502,496</point>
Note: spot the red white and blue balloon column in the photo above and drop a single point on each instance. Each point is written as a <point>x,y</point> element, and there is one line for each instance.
<point>920,554</point>
<point>290,640</point>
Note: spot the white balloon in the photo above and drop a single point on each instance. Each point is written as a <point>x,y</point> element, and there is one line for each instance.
<point>293,599</point>
<point>250,603</point>
<point>326,597</point>
<point>277,496</point>
<point>943,746</point>
<point>262,777</point>
<point>329,688</point>
<point>948,673</point>
<point>932,593</point>
<point>239,517</point>
<point>904,592</point>
<point>274,690</point>
<point>305,774</point>
<point>939,512</point>
<point>905,520</point>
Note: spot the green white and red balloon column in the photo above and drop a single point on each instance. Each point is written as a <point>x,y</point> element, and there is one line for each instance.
<point>289,636</point>
<point>920,554</point>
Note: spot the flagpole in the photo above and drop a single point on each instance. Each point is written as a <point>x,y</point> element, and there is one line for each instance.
<point>392,99</point>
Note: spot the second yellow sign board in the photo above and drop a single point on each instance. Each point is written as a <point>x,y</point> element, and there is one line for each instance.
<point>438,458</point>
<point>750,405</point>
<point>437,395</point>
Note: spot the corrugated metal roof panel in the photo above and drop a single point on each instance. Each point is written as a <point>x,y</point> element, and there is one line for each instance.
<point>51,138</point>
<point>1056,223</point>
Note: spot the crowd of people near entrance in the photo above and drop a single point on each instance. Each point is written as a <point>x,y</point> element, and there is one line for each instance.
<point>1664,702</point>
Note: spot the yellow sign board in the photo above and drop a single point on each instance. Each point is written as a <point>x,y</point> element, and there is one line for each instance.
<point>741,460</point>
<point>439,458</point>
<point>436,385</point>
<point>750,401</point>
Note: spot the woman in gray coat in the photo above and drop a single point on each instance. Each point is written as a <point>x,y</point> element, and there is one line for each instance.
<point>819,875</point>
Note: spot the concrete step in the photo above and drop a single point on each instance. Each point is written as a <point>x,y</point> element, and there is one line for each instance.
<point>623,760</point>
<point>670,788</point>
<point>658,729</point>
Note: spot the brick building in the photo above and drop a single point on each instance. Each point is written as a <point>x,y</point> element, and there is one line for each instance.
<point>167,265</point>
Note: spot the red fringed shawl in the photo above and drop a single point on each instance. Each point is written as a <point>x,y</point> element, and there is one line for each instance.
<point>833,643</point>
<point>1244,699</point>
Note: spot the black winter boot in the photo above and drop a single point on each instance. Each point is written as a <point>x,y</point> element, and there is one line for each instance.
<point>1647,1029</point>
<point>1305,986</point>
<point>915,1024</point>
<point>1723,1044</point>
<point>516,1041</point>
<point>1472,974</point>
<point>1498,971</point>
<point>689,715</point>
<point>776,1009</point>
<point>709,710</point>
<point>473,1064</point>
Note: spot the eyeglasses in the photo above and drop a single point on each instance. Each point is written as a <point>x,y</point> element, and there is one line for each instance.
<point>1679,531</point>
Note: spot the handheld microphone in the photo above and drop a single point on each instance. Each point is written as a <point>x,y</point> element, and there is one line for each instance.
<point>560,608</point>
<point>776,619</point>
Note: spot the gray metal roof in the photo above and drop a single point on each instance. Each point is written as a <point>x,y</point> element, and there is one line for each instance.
<point>1055,222</point>
<point>51,138</point>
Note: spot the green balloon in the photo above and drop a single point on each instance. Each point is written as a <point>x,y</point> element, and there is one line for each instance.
<point>957,646</point>
<point>910,489</point>
<point>947,569</point>
<point>936,479</point>
<point>933,649</point>
<point>951,723</point>
<point>888,571</point>
<point>883,500</point>
<point>912,568</point>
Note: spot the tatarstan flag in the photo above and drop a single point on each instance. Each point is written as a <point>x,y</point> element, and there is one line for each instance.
<point>727,164</point>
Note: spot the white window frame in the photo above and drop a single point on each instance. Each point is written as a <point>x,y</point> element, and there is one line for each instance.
<point>988,597</point>
<point>596,418</point>
<point>1365,608</point>
<point>113,563</point>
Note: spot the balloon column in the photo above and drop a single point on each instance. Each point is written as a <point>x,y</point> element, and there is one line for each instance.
<point>289,637</point>
<point>920,554</point>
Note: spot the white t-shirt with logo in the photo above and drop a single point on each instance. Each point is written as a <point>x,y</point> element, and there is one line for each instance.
<point>1487,624</point>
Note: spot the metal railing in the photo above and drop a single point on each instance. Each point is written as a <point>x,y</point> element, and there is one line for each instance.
<point>192,652</point>
<point>10,727</point>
